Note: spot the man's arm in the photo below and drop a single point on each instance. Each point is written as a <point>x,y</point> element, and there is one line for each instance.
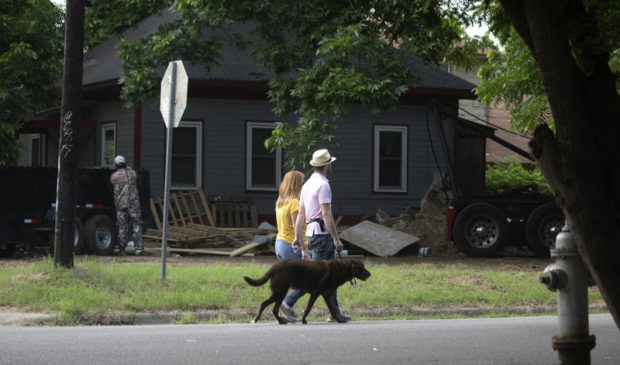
<point>328,218</point>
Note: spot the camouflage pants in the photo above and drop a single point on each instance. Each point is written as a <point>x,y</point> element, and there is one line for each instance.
<point>127,219</point>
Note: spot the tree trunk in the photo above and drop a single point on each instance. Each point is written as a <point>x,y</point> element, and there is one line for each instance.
<point>581,162</point>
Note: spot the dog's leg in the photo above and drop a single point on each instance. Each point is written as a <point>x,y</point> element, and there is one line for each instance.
<point>330,306</point>
<point>279,297</point>
<point>262,307</point>
<point>311,301</point>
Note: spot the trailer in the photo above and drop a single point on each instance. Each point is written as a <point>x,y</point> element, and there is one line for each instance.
<point>28,208</point>
<point>482,225</point>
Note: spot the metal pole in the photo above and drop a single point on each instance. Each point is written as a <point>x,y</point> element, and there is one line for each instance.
<point>569,276</point>
<point>164,239</point>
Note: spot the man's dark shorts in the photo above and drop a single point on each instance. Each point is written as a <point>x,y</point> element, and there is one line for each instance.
<point>322,247</point>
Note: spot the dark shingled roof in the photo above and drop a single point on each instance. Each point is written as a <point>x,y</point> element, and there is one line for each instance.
<point>101,63</point>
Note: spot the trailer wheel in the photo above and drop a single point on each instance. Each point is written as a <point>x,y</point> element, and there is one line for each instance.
<point>78,237</point>
<point>481,230</point>
<point>542,226</point>
<point>100,235</point>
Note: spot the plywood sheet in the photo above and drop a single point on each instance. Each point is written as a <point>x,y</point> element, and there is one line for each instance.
<point>377,239</point>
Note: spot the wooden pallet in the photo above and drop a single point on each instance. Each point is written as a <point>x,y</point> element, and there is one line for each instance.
<point>184,208</point>
<point>233,211</point>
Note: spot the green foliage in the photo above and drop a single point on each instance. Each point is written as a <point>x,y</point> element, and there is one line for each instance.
<point>31,44</point>
<point>512,75</point>
<point>325,55</point>
<point>511,174</point>
<point>105,18</point>
<point>10,147</point>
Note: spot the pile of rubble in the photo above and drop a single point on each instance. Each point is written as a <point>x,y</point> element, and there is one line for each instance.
<point>428,224</point>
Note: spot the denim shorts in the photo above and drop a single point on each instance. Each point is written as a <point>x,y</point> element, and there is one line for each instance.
<point>322,247</point>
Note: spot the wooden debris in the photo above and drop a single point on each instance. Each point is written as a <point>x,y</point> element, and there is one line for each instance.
<point>244,249</point>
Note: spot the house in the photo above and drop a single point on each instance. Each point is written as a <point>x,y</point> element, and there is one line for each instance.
<point>385,161</point>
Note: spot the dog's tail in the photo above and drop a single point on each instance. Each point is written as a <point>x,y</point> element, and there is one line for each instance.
<point>260,281</point>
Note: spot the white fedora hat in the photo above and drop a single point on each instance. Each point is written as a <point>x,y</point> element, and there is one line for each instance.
<point>321,158</point>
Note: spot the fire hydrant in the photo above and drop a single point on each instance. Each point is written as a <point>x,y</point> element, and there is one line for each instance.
<point>569,277</point>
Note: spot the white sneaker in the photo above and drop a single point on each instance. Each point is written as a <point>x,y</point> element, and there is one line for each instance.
<point>287,312</point>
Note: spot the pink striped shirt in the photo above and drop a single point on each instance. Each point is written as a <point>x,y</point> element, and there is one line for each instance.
<point>316,191</point>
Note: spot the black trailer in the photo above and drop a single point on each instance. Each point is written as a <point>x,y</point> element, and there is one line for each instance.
<point>27,212</point>
<point>482,225</point>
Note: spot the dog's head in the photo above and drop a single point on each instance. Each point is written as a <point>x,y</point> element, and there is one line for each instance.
<point>359,271</point>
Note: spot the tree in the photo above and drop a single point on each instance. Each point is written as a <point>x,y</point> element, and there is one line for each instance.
<point>31,39</point>
<point>573,43</point>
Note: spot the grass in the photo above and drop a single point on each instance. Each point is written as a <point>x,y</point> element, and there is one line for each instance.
<point>392,292</point>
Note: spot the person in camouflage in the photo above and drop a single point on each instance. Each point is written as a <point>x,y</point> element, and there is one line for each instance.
<point>127,202</point>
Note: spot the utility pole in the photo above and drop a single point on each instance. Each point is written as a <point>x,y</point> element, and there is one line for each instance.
<point>71,117</point>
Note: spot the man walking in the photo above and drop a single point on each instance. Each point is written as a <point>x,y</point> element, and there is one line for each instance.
<point>315,209</point>
<point>127,202</point>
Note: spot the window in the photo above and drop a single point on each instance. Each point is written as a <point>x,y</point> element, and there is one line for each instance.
<point>390,159</point>
<point>263,168</point>
<point>36,150</point>
<point>186,156</point>
<point>108,144</point>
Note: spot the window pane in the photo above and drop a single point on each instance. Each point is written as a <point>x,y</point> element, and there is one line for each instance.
<point>183,170</point>
<point>389,173</point>
<point>390,159</point>
<point>108,146</point>
<point>183,159</point>
<point>391,144</point>
<point>35,160</point>
<point>263,162</point>
<point>184,141</point>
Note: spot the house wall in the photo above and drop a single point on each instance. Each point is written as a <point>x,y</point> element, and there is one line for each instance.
<point>224,123</point>
<point>113,111</point>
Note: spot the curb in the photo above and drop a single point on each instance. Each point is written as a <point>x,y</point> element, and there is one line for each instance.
<point>182,317</point>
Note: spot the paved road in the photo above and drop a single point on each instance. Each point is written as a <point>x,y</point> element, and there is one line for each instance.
<point>464,341</point>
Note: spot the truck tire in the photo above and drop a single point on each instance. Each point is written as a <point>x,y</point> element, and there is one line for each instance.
<point>542,226</point>
<point>481,230</point>
<point>78,238</point>
<point>100,234</point>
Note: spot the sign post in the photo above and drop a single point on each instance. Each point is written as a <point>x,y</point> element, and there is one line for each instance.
<point>172,105</point>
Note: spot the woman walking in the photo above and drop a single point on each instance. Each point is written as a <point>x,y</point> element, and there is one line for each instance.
<point>287,207</point>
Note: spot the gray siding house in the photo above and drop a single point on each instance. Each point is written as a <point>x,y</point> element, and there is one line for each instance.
<point>385,161</point>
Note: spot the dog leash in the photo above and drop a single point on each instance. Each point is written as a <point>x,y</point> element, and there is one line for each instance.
<point>352,281</point>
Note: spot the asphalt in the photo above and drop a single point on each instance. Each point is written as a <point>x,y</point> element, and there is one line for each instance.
<point>18,318</point>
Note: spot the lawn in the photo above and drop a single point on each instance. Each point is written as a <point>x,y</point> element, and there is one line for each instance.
<point>405,290</point>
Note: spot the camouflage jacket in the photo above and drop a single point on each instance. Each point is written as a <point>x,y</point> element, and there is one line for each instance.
<point>125,183</point>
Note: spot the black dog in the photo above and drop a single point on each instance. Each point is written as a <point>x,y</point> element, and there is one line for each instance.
<point>315,277</point>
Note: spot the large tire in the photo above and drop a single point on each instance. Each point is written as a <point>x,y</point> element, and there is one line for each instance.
<point>78,238</point>
<point>100,235</point>
<point>481,230</point>
<point>542,226</point>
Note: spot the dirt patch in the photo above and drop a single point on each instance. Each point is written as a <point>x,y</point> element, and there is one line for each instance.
<point>511,259</point>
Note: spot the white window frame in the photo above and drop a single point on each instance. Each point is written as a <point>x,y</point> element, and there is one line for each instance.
<point>198,168</point>
<point>104,128</point>
<point>403,129</point>
<point>250,126</point>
